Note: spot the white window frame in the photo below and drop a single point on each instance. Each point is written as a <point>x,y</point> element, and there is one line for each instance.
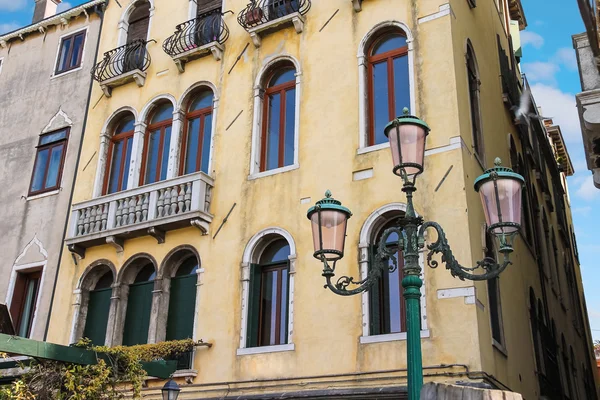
<point>252,253</point>
<point>258,116</point>
<point>363,80</point>
<point>123,25</point>
<point>56,74</point>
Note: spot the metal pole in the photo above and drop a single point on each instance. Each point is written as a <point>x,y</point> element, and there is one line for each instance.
<point>412,294</point>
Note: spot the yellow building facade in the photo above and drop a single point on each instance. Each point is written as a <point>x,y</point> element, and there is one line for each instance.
<point>207,142</point>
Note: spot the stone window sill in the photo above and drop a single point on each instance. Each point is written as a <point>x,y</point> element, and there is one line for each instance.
<point>392,337</point>
<point>275,171</point>
<point>266,349</point>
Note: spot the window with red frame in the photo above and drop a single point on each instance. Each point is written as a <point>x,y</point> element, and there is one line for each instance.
<point>197,133</point>
<point>71,52</point>
<point>279,120</point>
<point>388,83</point>
<point>119,155</point>
<point>24,300</point>
<point>156,147</point>
<point>49,161</point>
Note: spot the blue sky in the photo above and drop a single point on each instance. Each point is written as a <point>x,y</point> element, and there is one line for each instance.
<point>550,64</point>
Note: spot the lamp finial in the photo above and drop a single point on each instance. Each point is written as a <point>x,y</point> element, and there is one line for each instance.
<point>405,110</point>
<point>497,162</point>
<point>328,193</point>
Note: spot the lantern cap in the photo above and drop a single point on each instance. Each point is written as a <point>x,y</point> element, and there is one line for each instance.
<point>406,119</point>
<point>498,171</point>
<point>328,203</point>
<point>172,386</point>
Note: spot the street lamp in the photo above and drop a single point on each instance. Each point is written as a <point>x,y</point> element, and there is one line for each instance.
<point>171,390</point>
<point>500,191</point>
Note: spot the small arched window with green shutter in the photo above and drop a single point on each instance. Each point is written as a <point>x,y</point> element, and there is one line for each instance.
<point>98,310</point>
<point>182,300</point>
<point>139,306</point>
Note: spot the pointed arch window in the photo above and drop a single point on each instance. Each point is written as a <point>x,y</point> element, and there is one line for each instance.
<point>98,310</point>
<point>388,83</point>
<point>475,107</point>
<point>137,31</point>
<point>139,307</point>
<point>119,156</point>
<point>279,119</point>
<point>156,145</point>
<point>197,135</point>
<point>268,298</point>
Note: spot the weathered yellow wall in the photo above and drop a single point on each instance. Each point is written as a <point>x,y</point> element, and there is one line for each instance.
<point>327,327</point>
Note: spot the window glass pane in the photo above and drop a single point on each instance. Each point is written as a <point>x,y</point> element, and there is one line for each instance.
<point>283,313</point>
<point>39,170</point>
<point>277,251</point>
<point>193,136</point>
<point>126,125</point>
<point>389,43</point>
<point>125,172</point>
<point>165,154</point>
<point>105,281</point>
<point>273,131</point>
<point>115,167</point>
<point>290,123</point>
<point>395,299</point>
<point>64,53</point>
<point>268,305</point>
<point>381,112</point>
<point>401,84</point>
<point>146,274</point>
<point>53,137</point>
<point>188,267</point>
<point>206,143</point>
<point>152,163</point>
<point>164,112</point>
<point>77,49</point>
<point>283,75</point>
<point>28,308</point>
<point>54,166</point>
<point>202,100</point>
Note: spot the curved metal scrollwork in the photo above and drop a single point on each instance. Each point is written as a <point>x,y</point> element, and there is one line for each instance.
<point>259,12</point>
<point>130,57</point>
<point>197,32</point>
<point>489,266</point>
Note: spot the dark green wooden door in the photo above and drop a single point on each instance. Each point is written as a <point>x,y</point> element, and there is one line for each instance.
<point>182,305</point>
<point>97,316</point>
<point>137,318</point>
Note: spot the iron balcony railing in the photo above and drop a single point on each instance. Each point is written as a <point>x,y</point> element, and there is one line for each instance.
<point>510,80</point>
<point>197,32</point>
<point>259,12</point>
<point>130,57</point>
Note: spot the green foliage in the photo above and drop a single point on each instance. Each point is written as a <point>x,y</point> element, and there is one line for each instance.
<point>111,379</point>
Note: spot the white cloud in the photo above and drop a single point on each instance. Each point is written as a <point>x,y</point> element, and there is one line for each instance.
<point>561,107</point>
<point>587,190</point>
<point>532,38</point>
<point>12,5</point>
<point>8,27</point>
<point>539,71</point>
<point>64,6</point>
<point>567,57</point>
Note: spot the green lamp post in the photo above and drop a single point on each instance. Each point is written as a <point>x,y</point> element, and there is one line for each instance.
<point>500,191</point>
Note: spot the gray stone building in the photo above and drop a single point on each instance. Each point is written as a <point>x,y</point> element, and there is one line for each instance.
<point>588,101</point>
<point>44,92</point>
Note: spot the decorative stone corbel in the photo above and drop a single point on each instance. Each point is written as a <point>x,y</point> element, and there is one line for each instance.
<point>76,249</point>
<point>256,40</point>
<point>200,224</point>
<point>106,90</point>
<point>357,4</point>
<point>298,24</point>
<point>115,242</point>
<point>139,79</point>
<point>217,51</point>
<point>157,234</point>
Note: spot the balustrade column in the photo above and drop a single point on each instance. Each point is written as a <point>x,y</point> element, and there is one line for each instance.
<point>136,155</point>
<point>176,130</point>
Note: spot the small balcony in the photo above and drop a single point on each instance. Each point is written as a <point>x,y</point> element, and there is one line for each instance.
<point>197,38</point>
<point>122,65</point>
<point>149,210</point>
<point>263,16</point>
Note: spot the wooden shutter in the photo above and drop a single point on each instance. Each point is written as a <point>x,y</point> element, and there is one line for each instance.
<point>253,306</point>
<point>137,318</point>
<point>374,300</point>
<point>182,305</point>
<point>17,300</point>
<point>205,6</point>
<point>138,23</point>
<point>97,316</point>
<point>287,305</point>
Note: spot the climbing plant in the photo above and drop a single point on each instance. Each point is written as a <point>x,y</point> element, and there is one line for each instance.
<point>118,372</point>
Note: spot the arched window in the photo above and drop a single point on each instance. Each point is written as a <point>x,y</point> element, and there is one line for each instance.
<point>119,155</point>
<point>139,306</point>
<point>388,312</point>
<point>197,134</point>
<point>182,300</point>
<point>98,309</point>
<point>388,82</point>
<point>268,297</point>
<point>279,119</point>
<point>137,32</point>
<point>474,85</point>
<point>156,145</point>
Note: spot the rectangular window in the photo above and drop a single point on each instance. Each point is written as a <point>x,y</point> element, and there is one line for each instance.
<point>49,161</point>
<point>494,304</point>
<point>71,52</point>
<point>24,300</point>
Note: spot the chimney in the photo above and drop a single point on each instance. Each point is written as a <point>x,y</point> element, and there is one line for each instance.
<point>44,9</point>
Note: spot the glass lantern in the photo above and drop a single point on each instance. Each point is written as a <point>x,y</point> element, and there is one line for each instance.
<point>329,220</point>
<point>407,135</point>
<point>171,390</point>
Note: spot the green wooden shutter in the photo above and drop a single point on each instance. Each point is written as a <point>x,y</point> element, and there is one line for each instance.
<point>97,316</point>
<point>374,299</point>
<point>253,306</point>
<point>287,305</point>
<point>137,318</point>
<point>182,305</point>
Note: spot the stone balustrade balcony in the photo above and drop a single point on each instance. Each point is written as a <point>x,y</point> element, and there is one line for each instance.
<point>150,210</point>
